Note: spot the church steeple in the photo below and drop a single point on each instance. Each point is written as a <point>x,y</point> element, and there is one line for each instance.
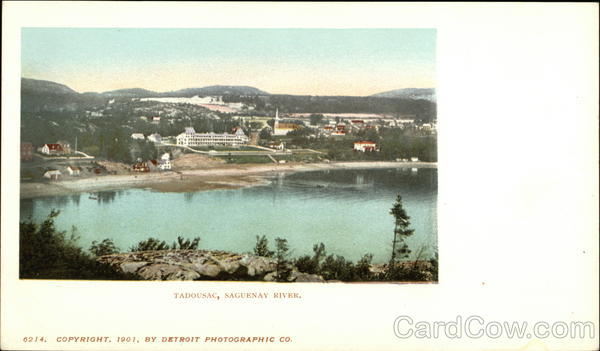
<point>276,124</point>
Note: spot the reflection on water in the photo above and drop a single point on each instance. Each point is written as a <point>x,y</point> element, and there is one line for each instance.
<point>347,210</point>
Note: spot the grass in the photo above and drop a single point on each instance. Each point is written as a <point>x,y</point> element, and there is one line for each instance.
<point>246,159</point>
<point>304,157</point>
<point>225,148</point>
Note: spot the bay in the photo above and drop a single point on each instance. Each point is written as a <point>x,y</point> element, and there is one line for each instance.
<point>347,210</point>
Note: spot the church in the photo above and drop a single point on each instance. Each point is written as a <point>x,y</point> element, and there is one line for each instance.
<point>283,128</point>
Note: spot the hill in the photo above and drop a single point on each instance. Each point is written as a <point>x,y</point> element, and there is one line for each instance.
<point>42,95</point>
<point>35,86</point>
<point>409,93</point>
<point>216,90</point>
<point>133,92</point>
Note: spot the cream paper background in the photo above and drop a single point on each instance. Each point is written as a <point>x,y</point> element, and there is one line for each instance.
<point>518,189</point>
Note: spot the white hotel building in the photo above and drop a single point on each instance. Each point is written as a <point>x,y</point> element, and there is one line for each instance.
<point>191,138</point>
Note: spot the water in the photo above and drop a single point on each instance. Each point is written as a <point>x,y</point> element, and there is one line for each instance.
<point>347,210</point>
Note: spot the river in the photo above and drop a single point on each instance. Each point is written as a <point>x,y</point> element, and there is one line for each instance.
<point>347,210</point>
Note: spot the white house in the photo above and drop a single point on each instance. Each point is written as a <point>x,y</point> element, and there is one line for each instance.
<point>155,138</point>
<point>53,174</point>
<point>165,162</point>
<point>191,138</point>
<point>74,171</point>
<point>155,120</point>
<point>414,159</point>
<point>138,136</point>
<point>365,146</point>
<point>277,145</point>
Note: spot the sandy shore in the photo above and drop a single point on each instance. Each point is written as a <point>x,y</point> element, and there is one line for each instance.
<point>223,177</point>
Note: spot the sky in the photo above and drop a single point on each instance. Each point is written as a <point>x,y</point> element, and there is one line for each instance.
<point>353,62</point>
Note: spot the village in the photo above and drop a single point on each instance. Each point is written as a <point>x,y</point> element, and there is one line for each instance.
<point>265,138</point>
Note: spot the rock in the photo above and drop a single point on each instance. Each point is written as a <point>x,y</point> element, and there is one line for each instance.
<point>270,277</point>
<point>157,271</point>
<point>258,266</point>
<point>162,271</point>
<point>300,277</point>
<point>132,267</point>
<point>208,269</point>
<point>184,274</point>
<point>191,265</point>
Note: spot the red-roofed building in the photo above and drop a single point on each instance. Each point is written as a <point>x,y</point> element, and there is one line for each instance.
<point>52,149</point>
<point>141,167</point>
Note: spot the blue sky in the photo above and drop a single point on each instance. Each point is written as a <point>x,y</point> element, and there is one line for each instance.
<point>293,61</point>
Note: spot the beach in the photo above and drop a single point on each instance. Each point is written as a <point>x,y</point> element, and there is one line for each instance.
<point>222,177</point>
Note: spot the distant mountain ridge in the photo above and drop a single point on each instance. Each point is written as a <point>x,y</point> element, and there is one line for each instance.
<point>36,86</point>
<point>133,92</point>
<point>218,90</point>
<point>409,93</point>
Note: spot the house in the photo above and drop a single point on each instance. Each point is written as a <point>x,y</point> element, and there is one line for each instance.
<point>74,171</point>
<point>26,151</point>
<point>414,159</point>
<point>138,136</point>
<point>364,146</point>
<point>338,133</point>
<point>155,120</point>
<point>276,145</point>
<point>140,167</point>
<point>65,146</point>
<point>53,174</point>
<point>52,149</point>
<point>155,138</point>
<point>165,162</point>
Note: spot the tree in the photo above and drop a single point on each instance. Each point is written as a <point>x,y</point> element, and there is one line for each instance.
<point>186,244</point>
<point>262,247</point>
<point>105,247</point>
<point>265,134</point>
<point>150,244</point>
<point>311,265</point>
<point>315,119</point>
<point>283,267</point>
<point>400,249</point>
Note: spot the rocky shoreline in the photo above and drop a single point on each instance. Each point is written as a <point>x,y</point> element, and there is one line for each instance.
<point>199,265</point>
<point>185,265</point>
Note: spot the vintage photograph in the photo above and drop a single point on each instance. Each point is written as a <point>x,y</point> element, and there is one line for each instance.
<point>299,176</point>
<point>276,155</point>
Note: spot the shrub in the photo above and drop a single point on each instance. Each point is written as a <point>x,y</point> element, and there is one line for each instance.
<point>262,247</point>
<point>186,244</point>
<point>337,268</point>
<point>150,244</point>
<point>105,247</point>
<point>311,265</point>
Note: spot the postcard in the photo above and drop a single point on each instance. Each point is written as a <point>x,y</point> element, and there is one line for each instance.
<point>256,176</point>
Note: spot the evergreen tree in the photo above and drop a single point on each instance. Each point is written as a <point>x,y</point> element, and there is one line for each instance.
<point>283,267</point>
<point>400,249</point>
